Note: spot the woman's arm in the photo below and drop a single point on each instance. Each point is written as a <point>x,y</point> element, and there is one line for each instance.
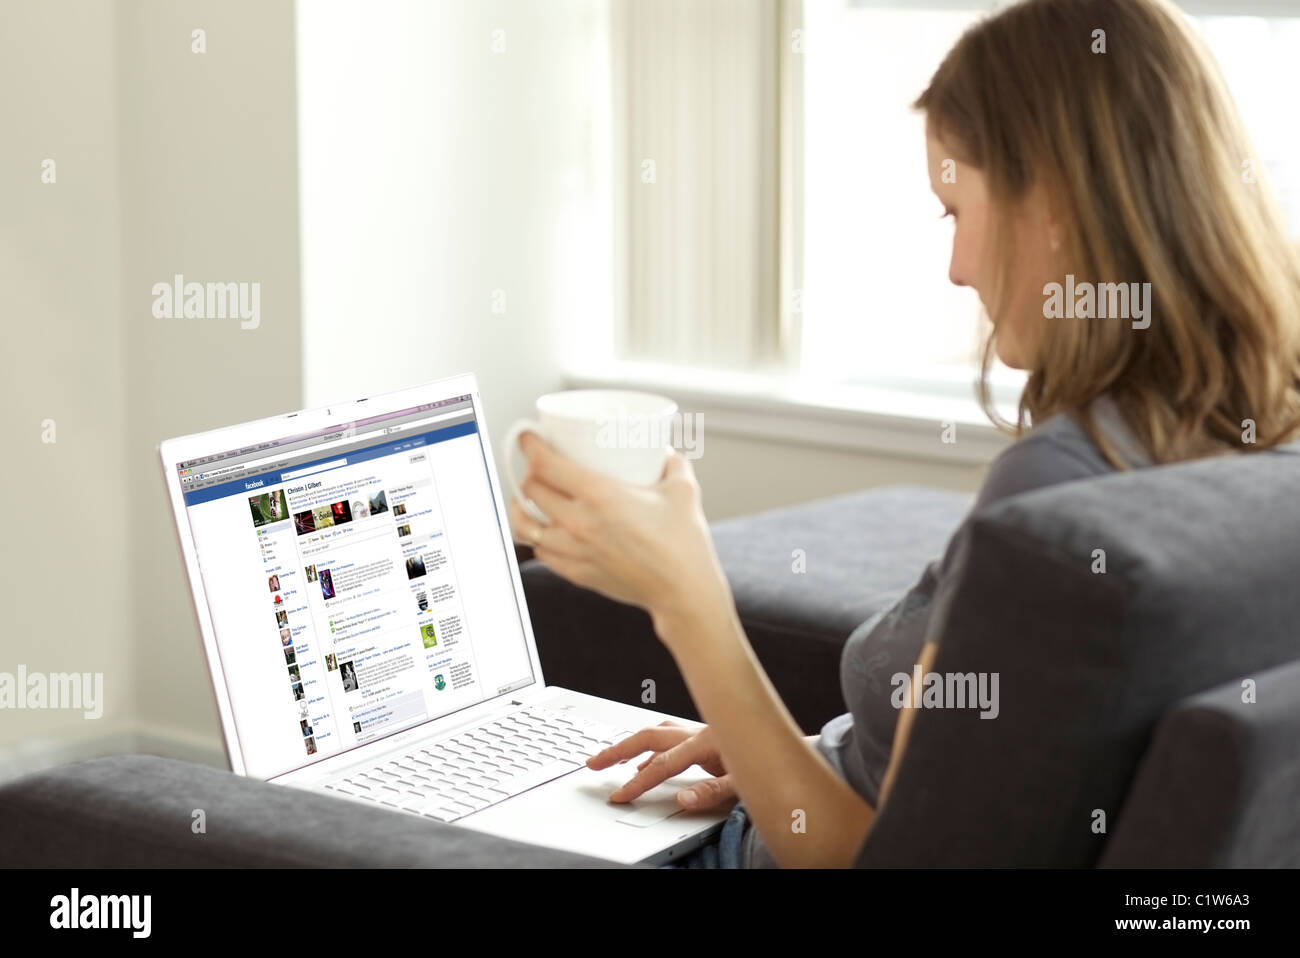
<point>650,546</point>
<point>806,814</point>
<point>903,730</point>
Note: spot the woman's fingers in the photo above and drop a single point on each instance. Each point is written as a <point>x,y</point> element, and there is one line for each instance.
<point>523,526</point>
<point>651,758</point>
<point>661,767</point>
<point>675,465</point>
<point>577,571</point>
<point>557,470</point>
<point>709,793</point>
<point>542,536</point>
<point>520,522</point>
<point>678,473</point>
<point>561,509</point>
<point>656,739</point>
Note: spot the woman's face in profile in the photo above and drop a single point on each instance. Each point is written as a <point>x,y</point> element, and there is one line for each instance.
<point>962,190</point>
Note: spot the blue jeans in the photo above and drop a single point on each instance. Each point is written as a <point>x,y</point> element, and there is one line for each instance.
<point>724,849</point>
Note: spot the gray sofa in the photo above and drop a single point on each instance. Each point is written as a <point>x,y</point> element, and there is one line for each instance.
<point>1123,691</point>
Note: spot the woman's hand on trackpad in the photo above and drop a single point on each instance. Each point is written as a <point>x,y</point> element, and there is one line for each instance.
<point>676,748</point>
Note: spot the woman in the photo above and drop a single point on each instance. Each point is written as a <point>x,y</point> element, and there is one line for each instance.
<point>1059,164</point>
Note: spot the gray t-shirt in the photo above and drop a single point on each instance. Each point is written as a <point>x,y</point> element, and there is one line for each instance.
<point>857,743</point>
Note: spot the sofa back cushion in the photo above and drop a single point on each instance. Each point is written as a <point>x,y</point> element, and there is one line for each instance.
<point>1098,605</point>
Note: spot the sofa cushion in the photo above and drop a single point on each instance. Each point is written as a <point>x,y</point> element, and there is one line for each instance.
<point>1198,590</point>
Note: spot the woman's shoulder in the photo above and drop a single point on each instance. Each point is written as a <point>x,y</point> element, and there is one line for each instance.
<point>1058,450</point>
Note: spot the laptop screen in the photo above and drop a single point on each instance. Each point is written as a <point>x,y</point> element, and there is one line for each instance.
<point>357,580</point>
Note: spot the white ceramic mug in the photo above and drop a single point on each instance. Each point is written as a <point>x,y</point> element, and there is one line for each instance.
<point>622,434</point>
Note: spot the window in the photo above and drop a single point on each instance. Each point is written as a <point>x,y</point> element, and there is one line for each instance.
<point>876,297</point>
<point>776,211</point>
<point>876,301</point>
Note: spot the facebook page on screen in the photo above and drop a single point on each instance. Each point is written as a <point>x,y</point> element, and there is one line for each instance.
<point>357,580</point>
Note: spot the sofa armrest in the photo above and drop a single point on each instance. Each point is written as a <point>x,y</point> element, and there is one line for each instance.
<point>139,811</point>
<point>1219,785</point>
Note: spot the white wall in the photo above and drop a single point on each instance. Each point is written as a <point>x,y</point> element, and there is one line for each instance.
<point>209,175</point>
<point>65,583</point>
<point>168,161</point>
<point>437,170</point>
<point>434,171</point>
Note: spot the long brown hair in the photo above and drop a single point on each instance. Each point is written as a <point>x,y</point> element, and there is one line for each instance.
<point>1148,168</point>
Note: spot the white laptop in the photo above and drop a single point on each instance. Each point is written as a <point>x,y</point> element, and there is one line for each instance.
<point>365,629</point>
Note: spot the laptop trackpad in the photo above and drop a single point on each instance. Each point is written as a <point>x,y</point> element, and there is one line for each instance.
<point>651,813</point>
<point>652,806</point>
<point>660,802</point>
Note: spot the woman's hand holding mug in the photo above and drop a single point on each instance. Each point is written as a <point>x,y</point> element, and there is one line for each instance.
<point>620,509</point>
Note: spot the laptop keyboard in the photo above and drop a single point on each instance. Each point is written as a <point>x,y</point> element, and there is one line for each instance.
<point>479,767</point>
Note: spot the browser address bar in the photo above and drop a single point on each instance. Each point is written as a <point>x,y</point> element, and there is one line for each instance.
<point>221,472</point>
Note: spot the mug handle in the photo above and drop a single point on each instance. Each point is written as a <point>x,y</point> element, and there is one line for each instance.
<point>508,455</point>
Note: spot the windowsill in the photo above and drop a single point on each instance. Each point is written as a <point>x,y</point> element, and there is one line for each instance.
<point>894,421</point>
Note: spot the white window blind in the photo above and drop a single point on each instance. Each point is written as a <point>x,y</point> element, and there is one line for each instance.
<point>698,122</point>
